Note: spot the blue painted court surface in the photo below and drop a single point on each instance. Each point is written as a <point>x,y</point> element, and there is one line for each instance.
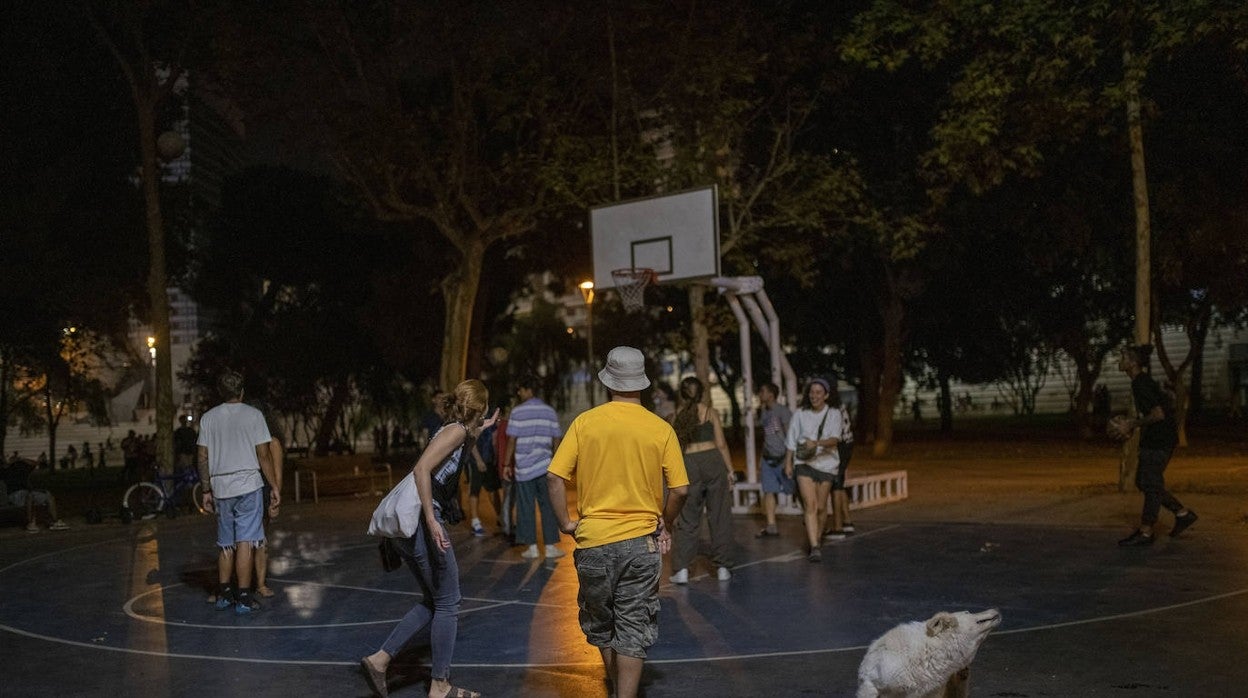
<point>117,610</point>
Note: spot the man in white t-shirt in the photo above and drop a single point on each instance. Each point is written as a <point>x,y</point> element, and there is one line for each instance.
<point>233,450</point>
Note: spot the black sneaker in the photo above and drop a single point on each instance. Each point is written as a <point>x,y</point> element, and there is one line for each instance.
<point>1182,522</point>
<point>246,604</point>
<point>1137,537</point>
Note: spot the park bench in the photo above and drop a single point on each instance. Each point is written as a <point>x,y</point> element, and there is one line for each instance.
<point>10,513</point>
<point>349,474</point>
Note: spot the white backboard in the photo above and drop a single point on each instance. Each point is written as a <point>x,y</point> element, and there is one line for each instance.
<point>676,235</point>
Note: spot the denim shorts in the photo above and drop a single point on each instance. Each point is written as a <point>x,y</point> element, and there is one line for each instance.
<point>619,594</point>
<point>37,497</point>
<point>238,519</point>
<point>804,470</point>
<point>772,477</point>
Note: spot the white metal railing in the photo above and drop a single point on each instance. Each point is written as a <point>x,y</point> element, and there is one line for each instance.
<point>864,491</point>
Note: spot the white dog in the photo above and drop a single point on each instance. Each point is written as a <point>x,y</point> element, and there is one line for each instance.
<point>925,660</point>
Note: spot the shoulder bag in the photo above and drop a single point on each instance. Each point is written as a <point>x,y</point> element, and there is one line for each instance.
<point>807,451</point>
<point>398,514</point>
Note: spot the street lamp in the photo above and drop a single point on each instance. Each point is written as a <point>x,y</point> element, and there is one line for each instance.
<point>151,349</point>
<point>587,292</point>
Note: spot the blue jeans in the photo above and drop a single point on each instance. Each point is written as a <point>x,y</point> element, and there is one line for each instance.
<point>529,495</point>
<point>437,574</point>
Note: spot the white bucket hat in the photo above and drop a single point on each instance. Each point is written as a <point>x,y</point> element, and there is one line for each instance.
<point>625,371</point>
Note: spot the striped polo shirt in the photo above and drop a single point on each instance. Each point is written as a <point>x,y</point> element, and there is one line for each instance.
<point>533,424</point>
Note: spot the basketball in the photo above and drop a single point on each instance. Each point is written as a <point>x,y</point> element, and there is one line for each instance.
<point>1119,427</point>
<point>170,145</point>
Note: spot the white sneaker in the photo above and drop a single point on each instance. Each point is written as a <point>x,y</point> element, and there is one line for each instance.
<point>32,527</point>
<point>553,552</point>
<point>724,574</point>
<point>530,553</point>
<point>59,525</point>
<point>681,577</point>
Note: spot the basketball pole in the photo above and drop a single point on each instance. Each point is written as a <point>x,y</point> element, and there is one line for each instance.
<point>587,292</point>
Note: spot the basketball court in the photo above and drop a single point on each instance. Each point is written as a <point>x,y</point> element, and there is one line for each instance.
<point>120,610</point>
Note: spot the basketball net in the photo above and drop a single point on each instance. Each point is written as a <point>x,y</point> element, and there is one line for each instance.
<point>631,284</point>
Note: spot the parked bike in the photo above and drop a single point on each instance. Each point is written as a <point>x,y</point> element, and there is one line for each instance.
<point>144,500</point>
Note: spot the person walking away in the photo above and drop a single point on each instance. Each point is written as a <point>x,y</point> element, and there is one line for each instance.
<point>709,467</point>
<point>619,454</point>
<point>774,421</point>
<point>184,444</point>
<point>234,460</point>
<point>506,476</point>
<point>428,553</point>
<point>130,457</point>
<point>841,525</point>
<point>482,473</point>
<point>533,434</point>
<point>1159,435</point>
<point>810,456</point>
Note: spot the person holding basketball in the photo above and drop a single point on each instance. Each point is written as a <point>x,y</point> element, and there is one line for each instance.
<point>1158,436</point>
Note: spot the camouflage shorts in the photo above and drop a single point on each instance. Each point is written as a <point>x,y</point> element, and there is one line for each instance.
<point>619,595</point>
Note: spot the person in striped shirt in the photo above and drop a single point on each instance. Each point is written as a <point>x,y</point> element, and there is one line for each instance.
<point>533,434</point>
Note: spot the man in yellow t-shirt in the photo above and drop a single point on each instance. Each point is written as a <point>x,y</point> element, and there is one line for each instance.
<point>619,455</point>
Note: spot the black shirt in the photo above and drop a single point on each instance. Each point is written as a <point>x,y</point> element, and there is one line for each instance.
<point>1163,435</point>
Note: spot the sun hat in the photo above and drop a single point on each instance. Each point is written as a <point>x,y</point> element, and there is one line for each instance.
<point>625,371</point>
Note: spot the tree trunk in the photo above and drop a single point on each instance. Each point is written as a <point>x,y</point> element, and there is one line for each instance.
<point>1143,234</point>
<point>868,392</point>
<point>1088,372</point>
<point>329,421</point>
<point>459,293</point>
<point>701,338</point>
<point>893,315</point>
<point>946,404</point>
<point>53,420</point>
<point>1196,327</point>
<point>1196,396</point>
<point>157,286</point>
<point>5,411</point>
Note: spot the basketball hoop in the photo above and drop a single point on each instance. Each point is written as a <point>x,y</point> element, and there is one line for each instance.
<point>631,283</point>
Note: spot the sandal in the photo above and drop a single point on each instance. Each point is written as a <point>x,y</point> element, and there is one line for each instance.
<point>457,692</point>
<point>766,533</point>
<point>264,591</point>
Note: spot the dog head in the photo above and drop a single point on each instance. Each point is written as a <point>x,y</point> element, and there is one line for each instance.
<point>964,623</point>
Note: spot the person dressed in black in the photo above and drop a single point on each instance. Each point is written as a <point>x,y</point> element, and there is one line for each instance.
<point>1158,437</point>
<point>184,448</point>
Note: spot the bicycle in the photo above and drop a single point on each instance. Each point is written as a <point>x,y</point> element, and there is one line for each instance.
<point>144,500</point>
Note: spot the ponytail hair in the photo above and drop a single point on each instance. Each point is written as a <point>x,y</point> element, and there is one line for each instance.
<point>465,404</point>
<point>685,421</point>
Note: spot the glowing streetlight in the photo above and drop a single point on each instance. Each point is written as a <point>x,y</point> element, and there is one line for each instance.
<point>151,349</point>
<point>587,292</point>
